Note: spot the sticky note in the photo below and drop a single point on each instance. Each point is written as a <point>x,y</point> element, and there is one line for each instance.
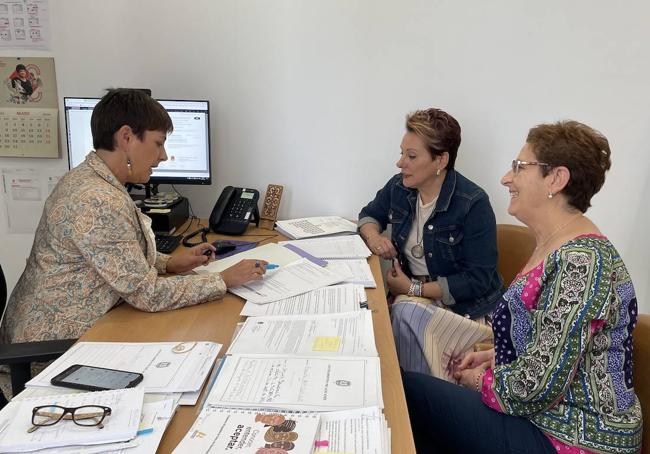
<point>327,343</point>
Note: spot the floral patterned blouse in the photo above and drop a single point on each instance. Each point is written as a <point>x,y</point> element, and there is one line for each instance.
<point>94,248</point>
<point>563,343</point>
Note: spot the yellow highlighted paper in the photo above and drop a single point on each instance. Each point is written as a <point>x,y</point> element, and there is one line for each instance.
<point>327,343</point>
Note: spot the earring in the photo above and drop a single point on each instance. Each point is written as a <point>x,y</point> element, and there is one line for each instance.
<point>438,172</point>
<point>128,165</point>
<point>550,195</point>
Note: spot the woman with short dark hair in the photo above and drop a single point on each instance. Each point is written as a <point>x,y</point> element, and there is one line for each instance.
<point>94,248</point>
<point>560,376</point>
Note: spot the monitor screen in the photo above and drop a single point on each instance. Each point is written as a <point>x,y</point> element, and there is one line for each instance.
<point>188,147</point>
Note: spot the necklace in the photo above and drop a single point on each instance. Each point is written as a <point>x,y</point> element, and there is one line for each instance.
<point>417,251</point>
<point>558,230</point>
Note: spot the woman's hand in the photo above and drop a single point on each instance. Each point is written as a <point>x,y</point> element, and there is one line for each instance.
<point>470,377</point>
<point>398,282</point>
<point>243,272</point>
<point>381,246</point>
<point>476,359</point>
<point>189,259</point>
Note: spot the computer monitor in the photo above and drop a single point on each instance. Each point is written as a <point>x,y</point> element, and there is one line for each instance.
<point>188,147</point>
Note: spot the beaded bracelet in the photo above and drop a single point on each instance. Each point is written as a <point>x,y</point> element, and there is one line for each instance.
<point>415,289</point>
<point>479,381</point>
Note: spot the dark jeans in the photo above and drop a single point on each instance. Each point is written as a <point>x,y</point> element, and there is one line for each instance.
<point>447,418</point>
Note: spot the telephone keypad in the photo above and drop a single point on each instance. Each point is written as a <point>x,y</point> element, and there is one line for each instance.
<point>239,209</point>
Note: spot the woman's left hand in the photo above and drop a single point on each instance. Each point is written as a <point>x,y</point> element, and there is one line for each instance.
<point>468,377</point>
<point>189,259</point>
<point>398,282</point>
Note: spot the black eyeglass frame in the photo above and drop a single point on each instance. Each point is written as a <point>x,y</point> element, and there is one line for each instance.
<point>106,411</point>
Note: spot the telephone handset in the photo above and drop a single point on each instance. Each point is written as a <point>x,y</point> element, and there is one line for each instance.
<point>235,209</point>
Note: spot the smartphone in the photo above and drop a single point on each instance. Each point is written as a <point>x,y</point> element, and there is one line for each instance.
<point>91,378</point>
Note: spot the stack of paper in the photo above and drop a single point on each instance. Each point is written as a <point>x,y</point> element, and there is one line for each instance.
<point>120,426</point>
<point>293,382</point>
<point>294,279</point>
<point>338,247</point>
<point>315,226</point>
<point>345,334</point>
<point>168,367</point>
<point>325,300</point>
<point>272,253</point>
<point>344,255</point>
<point>218,430</point>
<point>361,431</point>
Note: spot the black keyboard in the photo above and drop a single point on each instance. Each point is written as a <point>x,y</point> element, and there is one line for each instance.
<point>167,243</point>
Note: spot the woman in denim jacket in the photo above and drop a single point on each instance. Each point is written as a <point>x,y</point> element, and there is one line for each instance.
<point>443,247</point>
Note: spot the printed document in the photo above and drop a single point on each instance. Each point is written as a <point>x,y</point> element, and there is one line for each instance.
<point>168,367</point>
<point>297,382</point>
<point>298,277</point>
<point>358,268</point>
<point>336,247</point>
<point>121,425</point>
<point>325,300</point>
<point>272,253</point>
<point>316,226</point>
<point>347,334</point>
<point>218,430</point>
<point>361,431</point>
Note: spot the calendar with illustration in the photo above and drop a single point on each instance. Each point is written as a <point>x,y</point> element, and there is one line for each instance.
<point>28,108</point>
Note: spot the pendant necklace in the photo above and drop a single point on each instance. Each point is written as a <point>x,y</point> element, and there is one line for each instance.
<point>417,251</point>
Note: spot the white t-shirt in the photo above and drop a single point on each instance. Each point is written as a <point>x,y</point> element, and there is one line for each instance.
<point>423,212</point>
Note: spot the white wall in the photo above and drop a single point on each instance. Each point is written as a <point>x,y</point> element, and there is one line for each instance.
<point>313,94</point>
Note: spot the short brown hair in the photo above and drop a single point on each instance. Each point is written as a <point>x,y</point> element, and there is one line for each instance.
<point>579,148</point>
<point>438,130</point>
<point>126,106</point>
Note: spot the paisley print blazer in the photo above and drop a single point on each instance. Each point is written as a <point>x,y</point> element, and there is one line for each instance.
<point>94,248</point>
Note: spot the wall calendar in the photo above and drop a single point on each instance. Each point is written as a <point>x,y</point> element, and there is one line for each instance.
<point>28,108</point>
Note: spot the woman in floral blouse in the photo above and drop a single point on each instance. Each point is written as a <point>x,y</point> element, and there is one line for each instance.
<point>560,376</point>
<point>94,248</point>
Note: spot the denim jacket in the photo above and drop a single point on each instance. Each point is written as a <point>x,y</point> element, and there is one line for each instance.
<point>459,239</point>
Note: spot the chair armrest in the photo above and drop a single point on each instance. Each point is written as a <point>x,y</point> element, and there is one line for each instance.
<point>28,352</point>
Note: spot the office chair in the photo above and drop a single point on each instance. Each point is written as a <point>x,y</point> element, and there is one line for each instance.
<point>20,356</point>
<point>516,244</point>
<point>641,356</point>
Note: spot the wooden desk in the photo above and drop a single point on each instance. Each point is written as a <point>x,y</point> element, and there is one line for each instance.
<point>215,321</point>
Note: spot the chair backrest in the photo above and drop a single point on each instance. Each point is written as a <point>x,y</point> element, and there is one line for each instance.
<point>642,372</point>
<point>3,292</point>
<point>516,244</point>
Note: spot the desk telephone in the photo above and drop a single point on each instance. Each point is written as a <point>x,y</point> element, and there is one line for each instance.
<point>235,209</point>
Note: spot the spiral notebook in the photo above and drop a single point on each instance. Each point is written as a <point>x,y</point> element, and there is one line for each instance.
<point>250,430</point>
<point>337,247</point>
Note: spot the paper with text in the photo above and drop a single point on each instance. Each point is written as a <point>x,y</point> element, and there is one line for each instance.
<point>335,247</point>
<point>272,253</point>
<point>164,370</point>
<point>315,226</point>
<point>298,382</point>
<point>121,425</point>
<point>298,277</point>
<point>361,431</point>
<point>218,430</point>
<point>359,268</point>
<point>347,334</point>
<point>325,300</point>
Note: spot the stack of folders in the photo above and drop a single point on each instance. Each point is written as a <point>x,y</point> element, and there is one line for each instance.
<point>174,374</point>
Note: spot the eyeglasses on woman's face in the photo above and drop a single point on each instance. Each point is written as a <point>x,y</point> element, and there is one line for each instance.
<point>518,165</point>
<point>86,415</point>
